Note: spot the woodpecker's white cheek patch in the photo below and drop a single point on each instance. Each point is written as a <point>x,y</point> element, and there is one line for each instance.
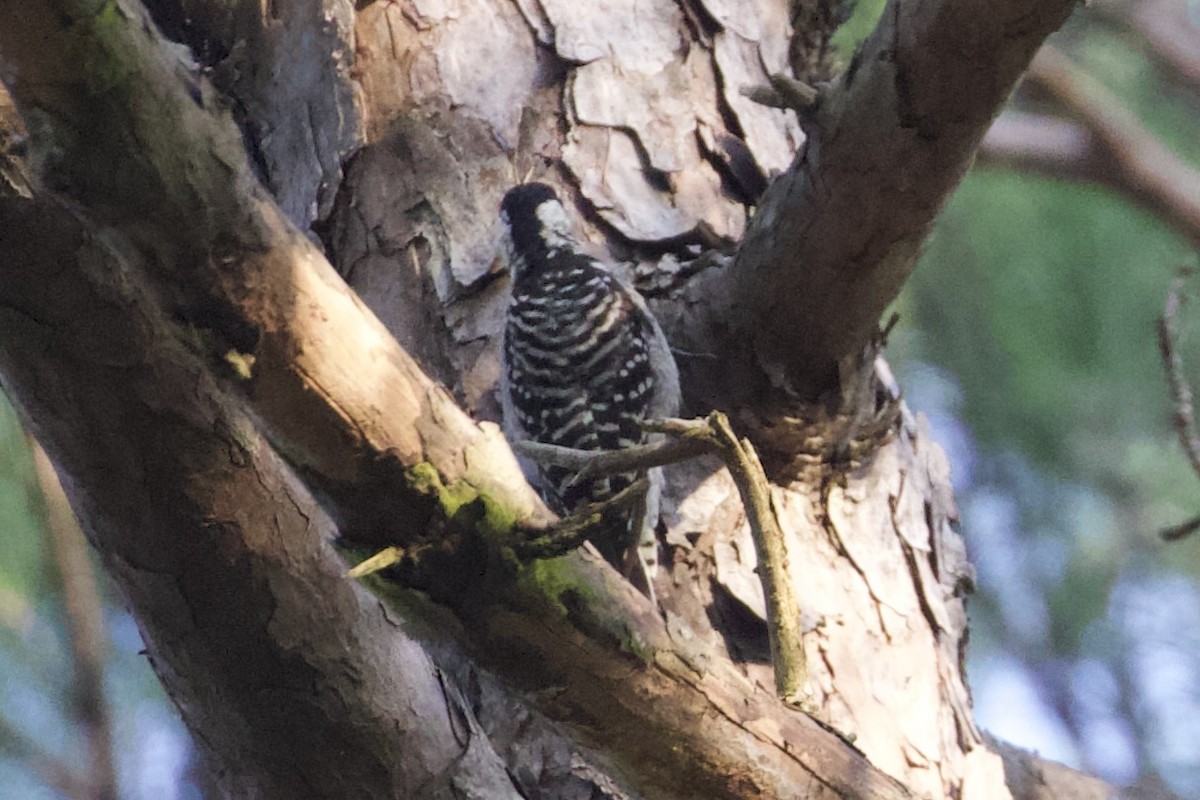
<point>556,225</point>
<point>508,253</point>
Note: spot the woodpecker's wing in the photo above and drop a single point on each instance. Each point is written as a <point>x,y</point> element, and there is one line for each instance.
<point>665,399</point>
<point>578,350</point>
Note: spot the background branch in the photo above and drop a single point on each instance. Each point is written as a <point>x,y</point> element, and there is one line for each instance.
<point>86,635</point>
<point>1044,144</point>
<point>1181,394</point>
<point>58,773</point>
<point>1113,147</point>
<point>1166,31</point>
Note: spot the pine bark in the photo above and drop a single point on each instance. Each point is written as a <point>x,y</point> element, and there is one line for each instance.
<point>175,328</point>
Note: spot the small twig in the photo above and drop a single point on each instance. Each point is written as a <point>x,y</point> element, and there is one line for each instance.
<point>783,610</point>
<point>886,330</point>
<point>575,529</point>
<point>1181,530</point>
<point>785,92</point>
<point>529,543</point>
<point>599,463</point>
<point>387,557</point>
<point>1181,393</point>
<point>691,438</point>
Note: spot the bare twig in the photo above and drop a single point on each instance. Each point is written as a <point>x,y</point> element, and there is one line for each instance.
<point>1181,393</point>
<point>786,93</point>
<point>1182,530</point>
<point>573,530</point>
<point>541,542</point>
<point>783,609</point>
<point>593,464</point>
<point>387,557</point>
<point>688,439</point>
<point>84,615</point>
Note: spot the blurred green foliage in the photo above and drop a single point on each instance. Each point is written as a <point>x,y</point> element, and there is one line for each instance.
<point>1038,300</point>
<point>21,522</point>
<point>858,25</point>
<point>1042,298</point>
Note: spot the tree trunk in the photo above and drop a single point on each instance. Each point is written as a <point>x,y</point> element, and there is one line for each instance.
<point>220,405</point>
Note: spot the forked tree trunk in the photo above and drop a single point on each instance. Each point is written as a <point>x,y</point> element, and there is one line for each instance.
<point>199,374</point>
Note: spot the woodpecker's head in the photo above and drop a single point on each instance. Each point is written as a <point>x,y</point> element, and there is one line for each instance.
<point>535,224</point>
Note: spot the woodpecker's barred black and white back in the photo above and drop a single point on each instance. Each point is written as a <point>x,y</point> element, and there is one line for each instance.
<point>584,360</point>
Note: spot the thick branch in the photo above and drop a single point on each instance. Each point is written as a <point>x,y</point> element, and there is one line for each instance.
<point>218,550</point>
<point>835,238</point>
<point>221,555</point>
<point>147,156</point>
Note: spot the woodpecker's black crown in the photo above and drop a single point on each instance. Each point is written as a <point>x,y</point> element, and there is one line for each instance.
<point>521,202</point>
<point>537,222</point>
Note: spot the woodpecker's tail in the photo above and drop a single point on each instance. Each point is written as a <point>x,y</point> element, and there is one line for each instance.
<point>640,556</point>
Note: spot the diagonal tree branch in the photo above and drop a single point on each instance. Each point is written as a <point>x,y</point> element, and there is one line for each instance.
<point>168,169</point>
<point>216,547</point>
<point>57,773</point>
<point>1043,144</point>
<point>835,238</point>
<point>1167,30</point>
<point>1066,149</point>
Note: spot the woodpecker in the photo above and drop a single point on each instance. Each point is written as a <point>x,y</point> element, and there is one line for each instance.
<point>584,362</point>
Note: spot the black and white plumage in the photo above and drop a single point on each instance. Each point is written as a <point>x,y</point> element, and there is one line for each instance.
<point>584,360</point>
